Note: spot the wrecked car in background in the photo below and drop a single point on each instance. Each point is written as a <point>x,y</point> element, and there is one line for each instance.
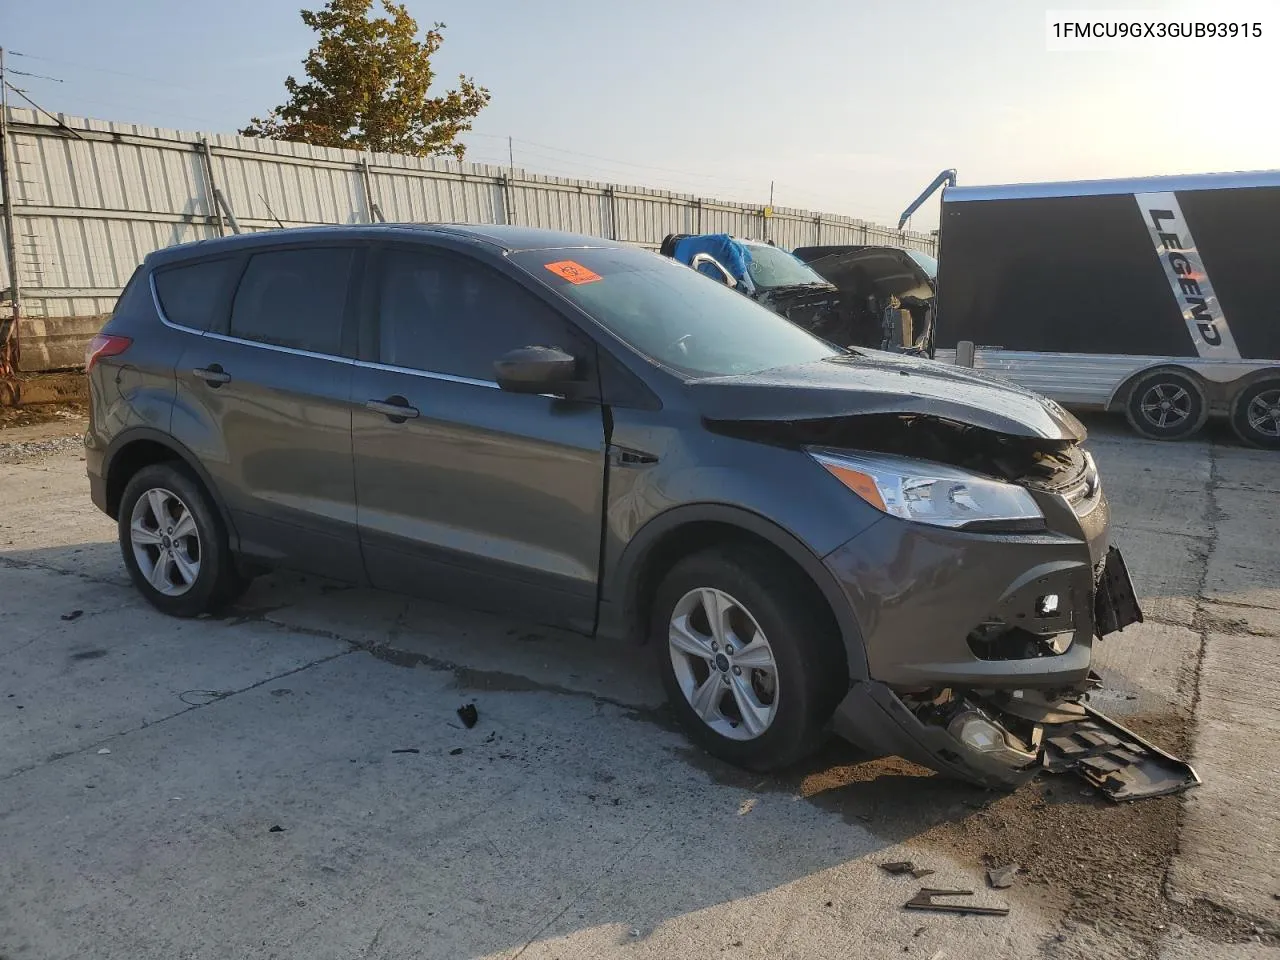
<point>852,295</point>
<point>581,433</point>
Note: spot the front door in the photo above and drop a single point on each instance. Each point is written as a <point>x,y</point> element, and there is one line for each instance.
<point>466,492</point>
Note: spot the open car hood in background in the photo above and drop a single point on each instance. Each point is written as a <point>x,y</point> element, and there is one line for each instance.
<point>891,270</point>
<point>873,382</point>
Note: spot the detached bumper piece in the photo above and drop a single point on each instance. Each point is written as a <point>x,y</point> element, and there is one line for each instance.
<point>1115,603</point>
<point>1001,742</point>
<point>1116,760</point>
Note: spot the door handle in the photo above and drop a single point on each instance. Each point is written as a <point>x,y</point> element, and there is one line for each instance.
<point>213,374</point>
<point>396,409</point>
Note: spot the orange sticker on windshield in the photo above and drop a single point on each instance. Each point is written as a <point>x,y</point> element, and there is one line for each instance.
<point>573,272</point>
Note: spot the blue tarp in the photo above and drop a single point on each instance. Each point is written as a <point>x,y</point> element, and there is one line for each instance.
<point>731,254</point>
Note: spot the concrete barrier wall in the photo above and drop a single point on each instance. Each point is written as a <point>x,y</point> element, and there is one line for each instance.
<point>92,198</point>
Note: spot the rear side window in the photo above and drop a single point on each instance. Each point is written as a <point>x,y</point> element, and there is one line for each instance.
<point>190,294</point>
<point>294,298</point>
<point>446,315</point>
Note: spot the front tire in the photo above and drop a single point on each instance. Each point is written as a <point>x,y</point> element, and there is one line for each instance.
<point>1255,414</point>
<point>751,660</point>
<point>174,544</point>
<point>1166,405</point>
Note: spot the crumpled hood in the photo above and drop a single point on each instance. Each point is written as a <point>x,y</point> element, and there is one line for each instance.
<point>874,382</point>
<point>890,270</point>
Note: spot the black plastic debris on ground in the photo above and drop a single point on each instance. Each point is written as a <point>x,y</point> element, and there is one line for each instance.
<point>469,715</point>
<point>276,829</point>
<point>925,900</point>
<point>1115,760</point>
<point>407,750</point>
<point>455,751</point>
<point>73,615</point>
<point>905,866</point>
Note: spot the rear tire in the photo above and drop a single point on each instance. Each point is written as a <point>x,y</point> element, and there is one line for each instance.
<point>174,544</point>
<point>1255,414</point>
<point>767,688</point>
<point>1166,405</point>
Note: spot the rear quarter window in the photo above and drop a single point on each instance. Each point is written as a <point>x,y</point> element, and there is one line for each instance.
<point>191,294</point>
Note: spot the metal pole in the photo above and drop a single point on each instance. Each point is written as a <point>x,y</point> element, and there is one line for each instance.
<point>211,191</point>
<point>613,212</point>
<point>511,156</point>
<point>9,326</point>
<point>366,180</point>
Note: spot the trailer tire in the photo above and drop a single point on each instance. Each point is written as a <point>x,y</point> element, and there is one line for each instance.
<point>1255,414</point>
<point>1166,405</point>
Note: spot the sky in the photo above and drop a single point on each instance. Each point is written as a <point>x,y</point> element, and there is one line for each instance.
<point>848,107</point>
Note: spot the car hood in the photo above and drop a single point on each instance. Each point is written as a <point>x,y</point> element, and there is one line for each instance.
<point>890,270</point>
<point>867,382</point>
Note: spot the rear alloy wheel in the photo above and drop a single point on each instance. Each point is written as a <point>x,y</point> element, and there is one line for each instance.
<point>751,660</point>
<point>1166,405</point>
<point>173,542</point>
<point>1255,414</point>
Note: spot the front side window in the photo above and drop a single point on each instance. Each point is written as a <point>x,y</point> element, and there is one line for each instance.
<point>444,314</point>
<point>671,314</point>
<point>294,298</point>
<point>190,293</point>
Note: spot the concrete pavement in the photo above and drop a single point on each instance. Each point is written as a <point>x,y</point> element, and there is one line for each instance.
<point>573,821</point>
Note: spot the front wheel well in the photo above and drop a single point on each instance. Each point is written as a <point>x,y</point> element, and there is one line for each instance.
<point>697,536</point>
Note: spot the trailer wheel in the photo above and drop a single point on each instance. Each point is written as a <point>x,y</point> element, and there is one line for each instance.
<point>1255,414</point>
<point>1166,405</point>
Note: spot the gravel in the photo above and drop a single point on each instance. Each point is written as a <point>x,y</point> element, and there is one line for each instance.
<point>34,449</point>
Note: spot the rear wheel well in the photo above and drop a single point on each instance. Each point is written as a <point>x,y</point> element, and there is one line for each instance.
<point>699,535</point>
<point>128,461</point>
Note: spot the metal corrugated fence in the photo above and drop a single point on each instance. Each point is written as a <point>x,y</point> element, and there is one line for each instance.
<point>92,198</point>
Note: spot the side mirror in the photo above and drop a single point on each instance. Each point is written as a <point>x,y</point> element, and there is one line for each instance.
<point>537,370</point>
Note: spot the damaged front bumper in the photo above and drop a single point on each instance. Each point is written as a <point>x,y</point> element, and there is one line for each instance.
<point>999,736</point>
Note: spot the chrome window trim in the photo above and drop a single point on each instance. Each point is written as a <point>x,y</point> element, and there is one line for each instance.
<point>427,374</point>
<point>278,348</point>
<point>155,298</point>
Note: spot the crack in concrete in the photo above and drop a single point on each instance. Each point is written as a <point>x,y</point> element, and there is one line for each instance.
<point>228,695</point>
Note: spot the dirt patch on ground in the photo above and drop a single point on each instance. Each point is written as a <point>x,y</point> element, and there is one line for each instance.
<point>1100,864</point>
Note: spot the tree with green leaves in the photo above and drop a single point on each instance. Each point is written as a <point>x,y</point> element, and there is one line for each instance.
<point>367,86</point>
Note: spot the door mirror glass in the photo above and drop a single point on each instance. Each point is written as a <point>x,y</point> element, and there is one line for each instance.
<point>537,370</point>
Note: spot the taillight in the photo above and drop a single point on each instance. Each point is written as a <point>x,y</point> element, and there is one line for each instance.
<point>104,345</point>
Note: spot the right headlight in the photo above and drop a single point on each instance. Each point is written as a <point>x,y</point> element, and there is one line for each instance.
<point>932,493</point>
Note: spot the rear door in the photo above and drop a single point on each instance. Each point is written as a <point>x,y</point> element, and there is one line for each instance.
<point>466,492</point>
<point>264,400</point>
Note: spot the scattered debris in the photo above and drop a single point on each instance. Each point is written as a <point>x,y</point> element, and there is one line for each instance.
<point>491,737</point>
<point>905,866</point>
<point>276,829</point>
<point>281,692</point>
<point>919,930</point>
<point>1115,760</point>
<point>73,615</point>
<point>455,751</point>
<point>103,751</point>
<point>407,750</point>
<point>1001,878</point>
<point>747,806</point>
<point>924,901</point>
<point>469,715</point>
<point>175,798</point>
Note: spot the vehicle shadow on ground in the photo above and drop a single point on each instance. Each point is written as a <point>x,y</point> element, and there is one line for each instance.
<point>622,798</point>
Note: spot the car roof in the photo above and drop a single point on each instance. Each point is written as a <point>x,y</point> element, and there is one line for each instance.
<point>503,237</point>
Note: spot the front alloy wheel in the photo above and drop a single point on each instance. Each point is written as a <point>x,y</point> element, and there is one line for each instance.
<point>750,655</point>
<point>723,664</point>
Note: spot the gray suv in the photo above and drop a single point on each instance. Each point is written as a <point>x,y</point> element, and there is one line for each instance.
<point>588,435</point>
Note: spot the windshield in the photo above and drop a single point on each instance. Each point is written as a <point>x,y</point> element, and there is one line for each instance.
<point>771,267</point>
<point>671,314</point>
<point>927,263</point>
